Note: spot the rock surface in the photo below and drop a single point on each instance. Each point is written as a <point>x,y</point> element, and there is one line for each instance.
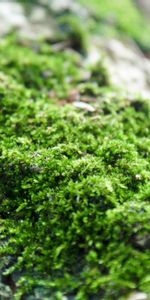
<point>128,67</point>
<point>34,25</point>
<point>145,6</point>
<point>138,296</point>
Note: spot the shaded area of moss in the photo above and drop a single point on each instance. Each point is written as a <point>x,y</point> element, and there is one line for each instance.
<point>74,185</point>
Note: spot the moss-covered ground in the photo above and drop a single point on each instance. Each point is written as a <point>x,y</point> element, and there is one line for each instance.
<point>74,183</point>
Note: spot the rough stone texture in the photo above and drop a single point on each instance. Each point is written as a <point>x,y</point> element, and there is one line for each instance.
<point>145,6</point>
<point>127,66</point>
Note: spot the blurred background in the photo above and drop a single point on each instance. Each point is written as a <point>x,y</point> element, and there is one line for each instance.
<point>118,30</point>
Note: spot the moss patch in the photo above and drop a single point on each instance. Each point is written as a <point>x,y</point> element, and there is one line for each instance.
<point>74,185</point>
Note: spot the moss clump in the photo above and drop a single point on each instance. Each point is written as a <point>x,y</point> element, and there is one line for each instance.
<point>74,185</point>
<point>35,71</point>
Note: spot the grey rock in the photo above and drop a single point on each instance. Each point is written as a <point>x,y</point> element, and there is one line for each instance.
<point>144,5</point>
<point>38,23</point>
<point>127,67</point>
<point>138,296</point>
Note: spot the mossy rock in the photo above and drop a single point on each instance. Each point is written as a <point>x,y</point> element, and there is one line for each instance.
<point>122,19</point>
<point>74,185</point>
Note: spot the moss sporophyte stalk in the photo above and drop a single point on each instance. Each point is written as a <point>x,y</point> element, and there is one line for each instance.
<point>74,184</point>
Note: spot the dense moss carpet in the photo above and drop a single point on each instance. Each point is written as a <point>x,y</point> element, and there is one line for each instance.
<point>74,184</point>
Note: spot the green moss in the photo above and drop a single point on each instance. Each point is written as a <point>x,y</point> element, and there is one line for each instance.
<point>34,70</point>
<point>74,185</point>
